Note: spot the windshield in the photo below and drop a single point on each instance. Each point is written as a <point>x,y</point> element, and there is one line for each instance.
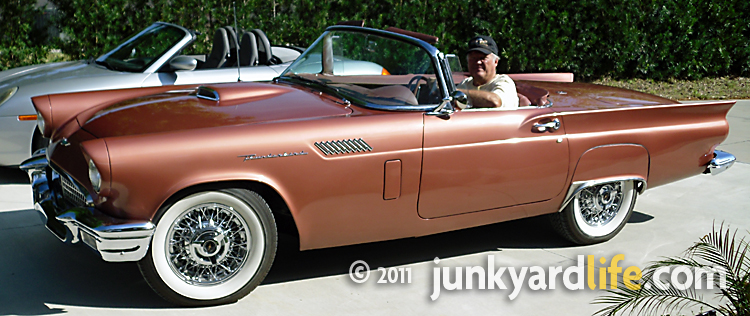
<point>369,68</point>
<point>143,49</point>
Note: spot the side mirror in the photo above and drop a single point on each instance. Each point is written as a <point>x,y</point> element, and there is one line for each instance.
<point>460,97</point>
<point>183,63</point>
<point>441,110</point>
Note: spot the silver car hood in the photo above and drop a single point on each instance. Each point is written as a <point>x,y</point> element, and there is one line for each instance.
<point>60,78</point>
<point>23,76</point>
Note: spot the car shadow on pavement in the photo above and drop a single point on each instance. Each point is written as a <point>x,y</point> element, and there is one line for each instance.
<point>39,275</point>
<point>531,233</point>
<point>38,272</point>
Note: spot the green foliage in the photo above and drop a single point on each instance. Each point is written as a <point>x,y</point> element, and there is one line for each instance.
<point>722,250</point>
<point>655,39</point>
<point>19,43</point>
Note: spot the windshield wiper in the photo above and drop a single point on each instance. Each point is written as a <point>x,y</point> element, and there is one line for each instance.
<point>320,86</point>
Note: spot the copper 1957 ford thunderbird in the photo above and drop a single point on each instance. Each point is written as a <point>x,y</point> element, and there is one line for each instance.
<point>192,182</point>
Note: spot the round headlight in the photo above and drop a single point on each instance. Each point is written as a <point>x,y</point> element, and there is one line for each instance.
<point>95,176</point>
<point>40,123</point>
<point>7,94</point>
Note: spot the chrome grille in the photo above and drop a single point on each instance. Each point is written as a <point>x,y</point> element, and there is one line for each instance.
<point>71,192</point>
<point>338,147</point>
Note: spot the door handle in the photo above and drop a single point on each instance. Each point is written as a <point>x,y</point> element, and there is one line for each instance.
<point>550,126</point>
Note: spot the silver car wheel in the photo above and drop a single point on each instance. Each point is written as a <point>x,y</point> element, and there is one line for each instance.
<point>600,210</point>
<point>208,246</point>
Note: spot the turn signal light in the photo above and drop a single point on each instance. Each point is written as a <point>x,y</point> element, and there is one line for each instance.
<point>27,117</point>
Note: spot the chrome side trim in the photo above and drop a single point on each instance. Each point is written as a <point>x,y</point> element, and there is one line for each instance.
<point>721,162</point>
<point>347,146</point>
<point>578,186</point>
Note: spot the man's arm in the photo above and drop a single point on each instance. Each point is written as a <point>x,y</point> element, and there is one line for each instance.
<point>483,99</point>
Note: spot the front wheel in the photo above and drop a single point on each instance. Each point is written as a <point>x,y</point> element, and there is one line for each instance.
<point>211,247</point>
<point>596,213</point>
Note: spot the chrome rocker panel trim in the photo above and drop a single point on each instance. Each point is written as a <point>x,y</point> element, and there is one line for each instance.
<point>578,186</point>
<point>721,162</point>
<point>116,240</point>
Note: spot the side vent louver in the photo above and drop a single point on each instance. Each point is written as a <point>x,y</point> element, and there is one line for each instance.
<point>338,147</point>
<point>207,93</point>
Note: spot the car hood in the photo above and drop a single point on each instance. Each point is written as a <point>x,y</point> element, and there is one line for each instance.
<point>240,103</point>
<point>50,72</point>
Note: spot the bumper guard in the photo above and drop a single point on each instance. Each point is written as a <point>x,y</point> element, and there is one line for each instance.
<point>721,162</point>
<point>115,239</point>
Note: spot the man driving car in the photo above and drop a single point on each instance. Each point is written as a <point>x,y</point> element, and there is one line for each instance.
<point>485,88</point>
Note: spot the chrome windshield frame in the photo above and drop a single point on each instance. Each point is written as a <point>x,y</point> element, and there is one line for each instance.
<point>436,58</point>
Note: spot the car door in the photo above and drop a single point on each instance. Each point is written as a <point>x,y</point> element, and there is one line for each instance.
<point>481,159</point>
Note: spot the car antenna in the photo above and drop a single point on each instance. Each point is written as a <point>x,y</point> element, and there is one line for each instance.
<point>236,47</point>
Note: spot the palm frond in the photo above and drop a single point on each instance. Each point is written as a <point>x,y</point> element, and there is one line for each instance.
<point>719,251</point>
<point>649,300</point>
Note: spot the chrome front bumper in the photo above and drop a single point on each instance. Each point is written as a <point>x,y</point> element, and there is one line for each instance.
<point>115,239</point>
<point>721,162</point>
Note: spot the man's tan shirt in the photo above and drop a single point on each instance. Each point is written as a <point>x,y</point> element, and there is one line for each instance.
<point>501,85</point>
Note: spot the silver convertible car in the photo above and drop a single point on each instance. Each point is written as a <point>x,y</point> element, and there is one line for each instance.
<point>152,57</point>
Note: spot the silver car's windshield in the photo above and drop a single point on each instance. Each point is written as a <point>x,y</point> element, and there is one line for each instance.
<point>143,49</point>
<point>373,69</point>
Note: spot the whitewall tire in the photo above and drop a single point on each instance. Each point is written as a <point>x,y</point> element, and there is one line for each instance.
<point>211,247</point>
<point>596,213</point>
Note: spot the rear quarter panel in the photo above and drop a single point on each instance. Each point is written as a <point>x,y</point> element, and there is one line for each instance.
<point>679,138</point>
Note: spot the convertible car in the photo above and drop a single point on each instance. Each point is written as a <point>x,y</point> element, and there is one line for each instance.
<point>152,57</point>
<point>194,183</point>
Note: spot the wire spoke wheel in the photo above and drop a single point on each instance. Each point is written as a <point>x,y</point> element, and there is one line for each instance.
<point>600,204</point>
<point>596,213</point>
<point>211,247</point>
<point>208,244</point>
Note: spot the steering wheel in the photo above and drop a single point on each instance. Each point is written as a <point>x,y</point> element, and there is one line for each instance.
<point>415,82</point>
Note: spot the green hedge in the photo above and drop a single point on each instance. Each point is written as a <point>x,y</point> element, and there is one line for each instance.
<point>656,39</point>
<point>19,43</point>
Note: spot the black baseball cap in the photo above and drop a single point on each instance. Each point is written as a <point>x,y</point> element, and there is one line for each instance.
<point>484,44</point>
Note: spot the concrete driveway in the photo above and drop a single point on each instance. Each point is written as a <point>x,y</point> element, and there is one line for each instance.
<point>41,276</point>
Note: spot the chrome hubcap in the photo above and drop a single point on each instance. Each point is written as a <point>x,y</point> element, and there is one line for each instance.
<point>599,204</point>
<point>208,244</point>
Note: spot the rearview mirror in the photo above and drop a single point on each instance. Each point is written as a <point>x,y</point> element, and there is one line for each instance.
<point>183,63</point>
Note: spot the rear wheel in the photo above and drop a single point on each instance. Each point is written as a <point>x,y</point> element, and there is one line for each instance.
<point>596,213</point>
<point>211,247</point>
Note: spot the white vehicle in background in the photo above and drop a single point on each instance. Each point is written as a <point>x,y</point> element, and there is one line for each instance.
<point>150,58</point>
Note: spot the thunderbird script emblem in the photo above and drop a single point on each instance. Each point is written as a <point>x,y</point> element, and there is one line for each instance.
<point>285,154</point>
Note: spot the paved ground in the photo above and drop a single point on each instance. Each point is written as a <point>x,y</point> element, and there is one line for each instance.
<point>40,276</point>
